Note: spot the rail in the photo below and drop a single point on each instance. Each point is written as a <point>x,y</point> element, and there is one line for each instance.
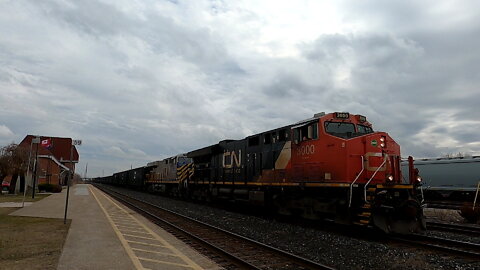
<point>371,178</point>
<point>455,228</point>
<point>446,245</point>
<point>356,178</point>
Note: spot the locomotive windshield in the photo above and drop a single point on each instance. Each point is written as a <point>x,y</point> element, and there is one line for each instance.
<point>340,129</point>
<point>346,130</point>
<point>364,129</point>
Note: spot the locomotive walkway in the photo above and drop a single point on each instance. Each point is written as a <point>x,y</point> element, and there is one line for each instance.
<point>106,235</point>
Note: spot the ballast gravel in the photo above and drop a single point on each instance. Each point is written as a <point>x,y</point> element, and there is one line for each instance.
<point>336,250</point>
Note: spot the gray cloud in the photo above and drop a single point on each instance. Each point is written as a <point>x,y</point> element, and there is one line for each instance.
<point>146,80</point>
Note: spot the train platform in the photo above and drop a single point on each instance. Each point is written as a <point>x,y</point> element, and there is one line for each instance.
<point>104,234</point>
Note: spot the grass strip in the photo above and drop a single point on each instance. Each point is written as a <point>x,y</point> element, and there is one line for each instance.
<point>30,242</point>
<point>19,197</point>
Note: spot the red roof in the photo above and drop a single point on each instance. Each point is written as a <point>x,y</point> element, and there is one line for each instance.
<point>60,148</point>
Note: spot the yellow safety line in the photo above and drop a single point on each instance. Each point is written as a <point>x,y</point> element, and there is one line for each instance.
<point>164,262</point>
<point>146,244</point>
<point>136,262</point>
<point>161,240</point>
<point>124,221</point>
<point>126,224</point>
<point>131,224</point>
<point>119,217</point>
<point>129,227</point>
<point>136,236</point>
<point>151,251</point>
<point>130,231</point>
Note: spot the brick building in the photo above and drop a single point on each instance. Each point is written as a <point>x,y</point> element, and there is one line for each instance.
<point>54,161</point>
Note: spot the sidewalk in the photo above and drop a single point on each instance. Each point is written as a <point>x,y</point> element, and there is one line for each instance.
<point>95,242</point>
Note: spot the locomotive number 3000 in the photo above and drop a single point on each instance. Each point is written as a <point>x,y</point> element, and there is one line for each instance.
<point>306,150</point>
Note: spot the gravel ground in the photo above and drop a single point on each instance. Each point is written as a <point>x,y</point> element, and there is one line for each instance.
<point>327,247</point>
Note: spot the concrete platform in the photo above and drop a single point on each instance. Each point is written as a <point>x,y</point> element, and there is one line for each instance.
<point>14,204</point>
<point>106,235</point>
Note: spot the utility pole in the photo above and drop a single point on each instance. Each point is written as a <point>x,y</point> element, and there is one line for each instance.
<point>74,142</point>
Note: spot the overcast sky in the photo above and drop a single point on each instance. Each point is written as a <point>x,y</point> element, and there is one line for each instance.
<point>143,80</point>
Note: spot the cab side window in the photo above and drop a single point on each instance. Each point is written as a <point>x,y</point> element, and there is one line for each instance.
<point>306,132</point>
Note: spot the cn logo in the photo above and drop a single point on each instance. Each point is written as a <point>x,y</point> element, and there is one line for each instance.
<point>231,159</point>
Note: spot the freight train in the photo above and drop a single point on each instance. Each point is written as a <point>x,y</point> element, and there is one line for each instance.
<point>331,165</point>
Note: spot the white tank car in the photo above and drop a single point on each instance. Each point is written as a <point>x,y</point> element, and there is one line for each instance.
<point>447,178</point>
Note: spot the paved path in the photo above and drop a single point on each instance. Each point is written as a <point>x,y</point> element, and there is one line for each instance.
<point>14,204</point>
<point>106,235</point>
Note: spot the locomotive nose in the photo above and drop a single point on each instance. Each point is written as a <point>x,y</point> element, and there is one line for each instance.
<point>382,158</point>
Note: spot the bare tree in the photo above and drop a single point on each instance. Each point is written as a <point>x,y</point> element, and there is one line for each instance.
<point>13,161</point>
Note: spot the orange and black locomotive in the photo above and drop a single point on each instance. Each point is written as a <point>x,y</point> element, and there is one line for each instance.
<point>331,165</point>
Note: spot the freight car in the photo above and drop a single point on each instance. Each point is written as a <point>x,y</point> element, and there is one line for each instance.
<point>330,165</point>
<point>448,179</point>
<point>133,178</point>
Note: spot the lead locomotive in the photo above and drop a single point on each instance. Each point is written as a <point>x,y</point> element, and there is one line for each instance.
<point>331,165</point>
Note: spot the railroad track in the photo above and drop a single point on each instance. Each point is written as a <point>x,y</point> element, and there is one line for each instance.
<point>455,228</point>
<point>230,250</point>
<point>449,246</point>
<point>445,205</point>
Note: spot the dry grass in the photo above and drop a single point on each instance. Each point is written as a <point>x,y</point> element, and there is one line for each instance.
<point>30,242</point>
<point>19,197</point>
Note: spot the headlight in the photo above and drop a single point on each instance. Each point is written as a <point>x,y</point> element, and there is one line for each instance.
<point>390,178</point>
<point>419,179</point>
<point>383,141</point>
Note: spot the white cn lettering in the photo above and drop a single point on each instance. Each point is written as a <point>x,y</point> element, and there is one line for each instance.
<point>234,160</point>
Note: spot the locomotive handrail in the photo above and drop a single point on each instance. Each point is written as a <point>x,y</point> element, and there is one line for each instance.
<point>356,178</point>
<point>371,178</point>
<point>421,192</point>
<point>476,195</point>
